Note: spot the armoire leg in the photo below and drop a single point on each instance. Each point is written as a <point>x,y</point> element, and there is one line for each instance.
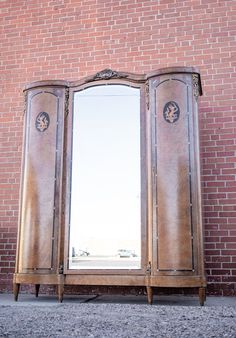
<point>60,292</point>
<point>202,296</point>
<point>16,289</point>
<point>37,286</point>
<point>149,294</point>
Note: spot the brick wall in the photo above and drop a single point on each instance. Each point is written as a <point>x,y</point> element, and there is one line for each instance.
<point>69,39</point>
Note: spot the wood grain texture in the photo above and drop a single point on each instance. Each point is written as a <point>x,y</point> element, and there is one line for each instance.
<point>40,188</point>
<point>173,179</point>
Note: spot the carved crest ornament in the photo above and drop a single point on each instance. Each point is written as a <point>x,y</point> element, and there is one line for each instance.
<point>42,121</point>
<point>108,74</point>
<point>196,86</point>
<point>171,112</point>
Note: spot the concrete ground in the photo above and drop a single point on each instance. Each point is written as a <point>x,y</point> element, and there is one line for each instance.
<point>117,316</point>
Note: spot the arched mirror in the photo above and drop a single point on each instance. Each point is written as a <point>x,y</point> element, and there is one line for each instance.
<point>105,209</point>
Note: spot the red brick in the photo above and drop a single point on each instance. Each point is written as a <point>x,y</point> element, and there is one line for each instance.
<point>229,279</point>
<point>231,246</point>
<point>211,265</point>
<point>229,266</point>
<point>221,259</point>
<point>229,252</point>
<point>221,272</point>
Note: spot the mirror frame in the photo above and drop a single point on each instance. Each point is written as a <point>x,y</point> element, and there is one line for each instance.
<point>108,77</point>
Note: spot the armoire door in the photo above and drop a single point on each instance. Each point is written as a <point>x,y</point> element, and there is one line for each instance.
<point>177,218</point>
<point>39,238</point>
<point>106,205</point>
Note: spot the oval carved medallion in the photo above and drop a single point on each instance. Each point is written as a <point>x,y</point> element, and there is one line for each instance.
<point>42,121</point>
<point>171,112</point>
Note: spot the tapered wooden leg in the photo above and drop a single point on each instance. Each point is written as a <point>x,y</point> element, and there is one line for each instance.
<point>37,286</point>
<point>202,296</point>
<point>149,294</point>
<point>16,289</point>
<point>60,292</point>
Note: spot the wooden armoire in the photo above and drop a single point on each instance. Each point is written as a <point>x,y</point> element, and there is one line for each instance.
<point>110,189</point>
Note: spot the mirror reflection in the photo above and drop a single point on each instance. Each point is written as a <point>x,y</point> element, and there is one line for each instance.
<point>105,216</point>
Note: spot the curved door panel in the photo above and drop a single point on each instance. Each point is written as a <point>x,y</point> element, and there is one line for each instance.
<point>40,188</point>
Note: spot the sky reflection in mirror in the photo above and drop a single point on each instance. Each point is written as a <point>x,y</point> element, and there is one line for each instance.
<point>105,222</point>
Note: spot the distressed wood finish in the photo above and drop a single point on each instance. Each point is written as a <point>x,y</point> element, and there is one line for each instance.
<point>38,231</point>
<point>173,175</point>
<point>40,211</point>
<point>172,239</point>
<point>176,194</point>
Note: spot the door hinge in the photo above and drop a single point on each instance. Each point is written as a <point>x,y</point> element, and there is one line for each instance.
<point>149,269</point>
